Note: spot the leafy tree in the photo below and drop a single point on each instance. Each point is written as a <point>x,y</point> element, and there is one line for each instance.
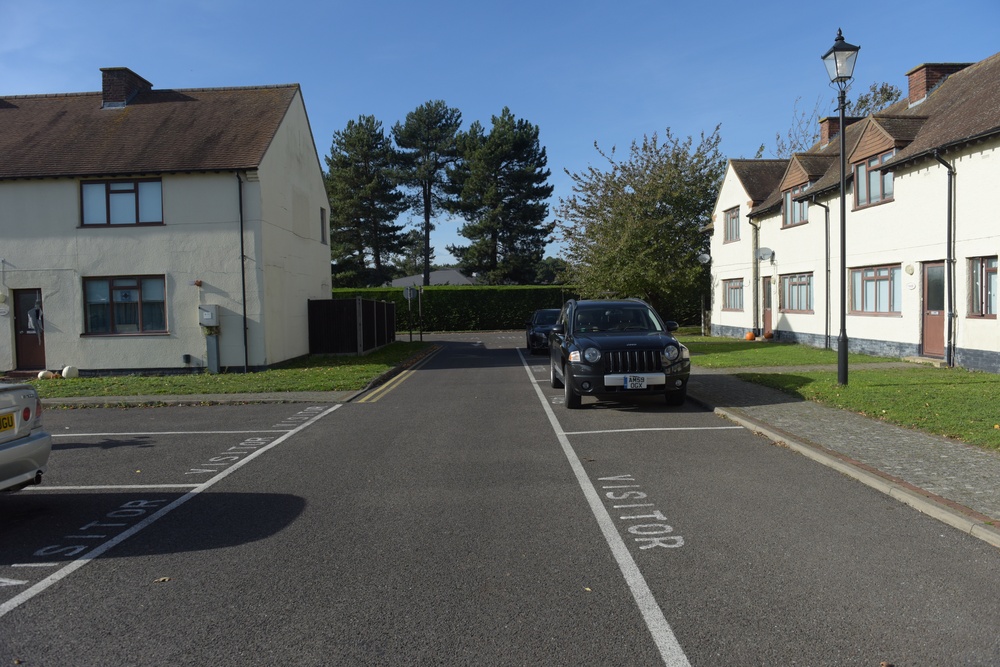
<point>427,142</point>
<point>551,271</point>
<point>500,188</point>
<point>364,202</point>
<point>635,227</point>
<point>804,130</point>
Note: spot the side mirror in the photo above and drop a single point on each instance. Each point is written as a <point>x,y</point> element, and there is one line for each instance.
<point>559,329</point>
<point>672,326</point>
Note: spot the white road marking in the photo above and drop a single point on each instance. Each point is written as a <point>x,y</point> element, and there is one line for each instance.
<point>670,649</point>
<point>111,435</point>
<point>97,551</point>
<point>11,582</point>
<point>679,428</point>
<point>109,487</point>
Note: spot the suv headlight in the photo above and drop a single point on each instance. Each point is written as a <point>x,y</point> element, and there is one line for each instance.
<point>671,353</point>
<point>592,355</point>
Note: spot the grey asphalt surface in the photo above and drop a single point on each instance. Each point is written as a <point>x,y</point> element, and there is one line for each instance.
<point>955,483</point>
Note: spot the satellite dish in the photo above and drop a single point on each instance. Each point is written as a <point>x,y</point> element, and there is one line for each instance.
<point>704,258</point>
<point>764,254</point>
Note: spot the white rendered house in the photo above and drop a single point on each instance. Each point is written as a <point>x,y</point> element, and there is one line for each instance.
<point>162,230</point>
<point>921,238</point>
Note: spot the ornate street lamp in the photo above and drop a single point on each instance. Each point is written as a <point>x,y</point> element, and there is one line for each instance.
<point>839,61</point>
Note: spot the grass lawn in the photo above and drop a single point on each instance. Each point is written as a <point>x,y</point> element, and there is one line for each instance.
<point>315,373</point>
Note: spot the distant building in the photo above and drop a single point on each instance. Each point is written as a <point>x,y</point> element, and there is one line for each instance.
<point>440,277</point>
<point>124,212</point>
<point>922,235</point>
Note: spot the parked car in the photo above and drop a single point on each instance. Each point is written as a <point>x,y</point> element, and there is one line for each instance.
<point>24,446</point>
<point>538,328</point>
<point>616,349</point>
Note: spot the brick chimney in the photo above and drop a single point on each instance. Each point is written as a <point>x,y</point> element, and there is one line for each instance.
<point>924,78</point>
<point>120,85</point>
<point>829,127</point>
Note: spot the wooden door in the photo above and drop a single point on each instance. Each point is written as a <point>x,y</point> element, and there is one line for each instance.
<point>932,340</point>
<point>766,304</point>
<point>29,330</point>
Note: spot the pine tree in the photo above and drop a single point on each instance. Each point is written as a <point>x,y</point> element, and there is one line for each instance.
<point>500,188</point>
<point>364,203</point>
<point>427,143</point>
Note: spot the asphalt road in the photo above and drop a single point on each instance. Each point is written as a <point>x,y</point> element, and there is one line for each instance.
<point>462,516</point>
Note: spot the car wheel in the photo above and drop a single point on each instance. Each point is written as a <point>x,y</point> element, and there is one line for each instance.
<point>572,398</point>
<point>554,381</point>
<point>677,397</point>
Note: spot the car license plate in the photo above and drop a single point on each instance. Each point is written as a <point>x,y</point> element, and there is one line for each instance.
<point>635,382</point>
<point>7,421</point>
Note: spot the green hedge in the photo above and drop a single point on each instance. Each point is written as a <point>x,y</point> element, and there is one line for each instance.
<point>467,307</point>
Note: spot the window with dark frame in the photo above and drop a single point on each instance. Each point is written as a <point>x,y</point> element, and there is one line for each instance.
<point>983,287</point>
<point>871,184</point>
<point>732,294</point>
<point>794,212</point>
<point>732,232</point>
<point>876,290</point>
<point>796,293</point>
<point>122,305</point>
<point>121,202</point>
<point>324,227</point>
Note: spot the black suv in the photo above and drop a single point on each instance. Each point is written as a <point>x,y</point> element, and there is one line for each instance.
<point>615,349</point>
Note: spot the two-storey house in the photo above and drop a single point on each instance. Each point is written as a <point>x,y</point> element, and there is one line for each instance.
<point>921,237</point>
<point>163,230</point>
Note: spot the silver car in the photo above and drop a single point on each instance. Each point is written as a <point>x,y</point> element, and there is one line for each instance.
<point>24,446</point>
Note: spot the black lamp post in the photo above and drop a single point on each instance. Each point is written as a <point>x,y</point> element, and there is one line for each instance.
<point>839,61</point>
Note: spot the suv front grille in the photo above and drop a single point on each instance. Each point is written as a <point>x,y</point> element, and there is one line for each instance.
<point>632,361</point>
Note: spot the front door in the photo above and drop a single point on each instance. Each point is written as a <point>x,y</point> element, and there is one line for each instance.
<point>932,341</point>
<point>766,301</point>
<point>29,329</point>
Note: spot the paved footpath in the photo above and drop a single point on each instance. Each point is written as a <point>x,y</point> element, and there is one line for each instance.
<point>956,483</point>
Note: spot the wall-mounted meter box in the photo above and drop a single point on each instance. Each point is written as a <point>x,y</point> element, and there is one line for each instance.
<point>208,316</point>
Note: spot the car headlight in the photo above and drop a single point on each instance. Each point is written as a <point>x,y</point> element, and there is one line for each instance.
<point>592,355</point>
<point>671,353</point>
<point>574,356</point>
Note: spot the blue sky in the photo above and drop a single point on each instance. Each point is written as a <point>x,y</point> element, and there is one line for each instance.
<point>583,71</point>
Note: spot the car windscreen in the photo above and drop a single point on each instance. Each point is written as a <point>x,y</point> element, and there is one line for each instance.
<point>546,317</point>
<point>616,318</point>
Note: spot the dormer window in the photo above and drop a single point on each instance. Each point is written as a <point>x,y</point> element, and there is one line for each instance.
<point>794,212</point>
<point>872,185</point>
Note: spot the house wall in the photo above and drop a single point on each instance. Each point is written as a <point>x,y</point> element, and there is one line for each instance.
<point>293,259</point>
<point>731,260</point>
<point>45,247</point>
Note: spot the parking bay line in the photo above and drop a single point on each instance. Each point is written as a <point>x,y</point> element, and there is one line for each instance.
<point>659,629</point>
<point>636,430</point>
<point>133,433</point>
<point>56,577</point>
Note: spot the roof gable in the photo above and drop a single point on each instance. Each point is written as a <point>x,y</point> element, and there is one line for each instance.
<point>157,131</point>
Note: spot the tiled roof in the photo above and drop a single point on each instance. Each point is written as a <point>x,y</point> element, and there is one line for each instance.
<point>963,108</point>
<point>158,131</point>
<point>759,177</point>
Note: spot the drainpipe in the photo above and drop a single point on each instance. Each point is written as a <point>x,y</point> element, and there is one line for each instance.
<point>949,350</point>
<point>243,277</point>
<point>756,275</point>
<point>826,324</point>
